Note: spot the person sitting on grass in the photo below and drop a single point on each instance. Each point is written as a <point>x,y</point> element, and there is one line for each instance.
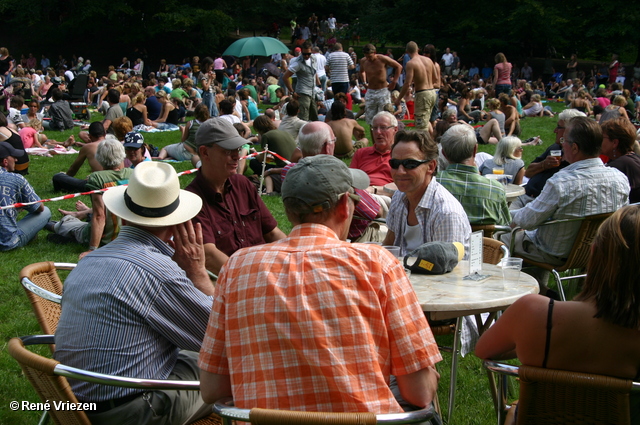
<point>535,109</point>
<point>32,138</point>
<point>135,149</point>
<point>66,181</point>
<point>102,226</point>
<point>346,129</point>
<point>60,113</point>
<point>14,188</point>
<point>186,149</point>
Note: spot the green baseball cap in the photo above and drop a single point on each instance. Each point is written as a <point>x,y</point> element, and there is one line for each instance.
<point>319,180</point>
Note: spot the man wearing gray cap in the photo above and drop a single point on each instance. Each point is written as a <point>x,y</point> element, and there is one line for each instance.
<point>14,188</point>
<point>312,322</point>
<point>233,216</point>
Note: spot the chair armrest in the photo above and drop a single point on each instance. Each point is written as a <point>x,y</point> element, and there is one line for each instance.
<point>37,339</point>
<point>501,368</point>
<point>41,292</point>
<point>64,266</point>
<point>224,408</point>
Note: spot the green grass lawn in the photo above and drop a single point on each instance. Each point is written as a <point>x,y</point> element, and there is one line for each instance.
<point>474,405</point>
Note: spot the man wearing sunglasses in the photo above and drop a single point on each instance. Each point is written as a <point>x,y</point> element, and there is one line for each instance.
<point>233,216</point>
<point>305,68</point>
<point>324,322</point>
<point>422,210</point>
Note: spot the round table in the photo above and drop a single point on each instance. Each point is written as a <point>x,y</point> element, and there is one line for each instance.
<point>513,191</point>
<point>449,295</point>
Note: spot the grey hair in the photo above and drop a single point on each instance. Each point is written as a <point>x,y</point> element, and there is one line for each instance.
<point>567,114</point>
<point>110,152</point>
<point>458,143</point>
<point>311,143</point>
<point>505,149</point>
<point>392,120</point>
<point>447,113</point>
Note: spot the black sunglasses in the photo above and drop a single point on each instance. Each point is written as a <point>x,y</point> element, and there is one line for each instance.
<point>408,164</point>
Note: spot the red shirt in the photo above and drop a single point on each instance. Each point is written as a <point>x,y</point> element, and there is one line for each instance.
<point>240,222</point>
<point>375,164</point>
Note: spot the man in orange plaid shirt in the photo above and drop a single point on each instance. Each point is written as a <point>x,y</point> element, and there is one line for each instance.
<point>312,322</point>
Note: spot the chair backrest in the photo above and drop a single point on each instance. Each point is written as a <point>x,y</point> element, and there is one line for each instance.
<point>493,250</point>
<point>581,249</point>
<point>490,229</point>
<point>549,396</point>
<point>49,386</point>
<point>46,308</point>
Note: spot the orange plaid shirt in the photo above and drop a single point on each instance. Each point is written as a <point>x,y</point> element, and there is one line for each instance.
<point>313,323</point>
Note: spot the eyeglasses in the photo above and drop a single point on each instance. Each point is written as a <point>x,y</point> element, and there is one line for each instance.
<point>382,128</point>
<point>355,198</point>
<point>306,54</point>
<point>228,152</point>
<point>408,164</point>
<point>564,140</point>
<point>559,127</point>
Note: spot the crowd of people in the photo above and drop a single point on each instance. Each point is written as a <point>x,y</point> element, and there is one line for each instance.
<point>314,320</point>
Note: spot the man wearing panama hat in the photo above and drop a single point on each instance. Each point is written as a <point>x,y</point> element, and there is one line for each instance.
<point>135,306</point>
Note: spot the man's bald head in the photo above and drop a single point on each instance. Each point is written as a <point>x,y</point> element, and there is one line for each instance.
<point>412,47</point>
<point>316,137</point>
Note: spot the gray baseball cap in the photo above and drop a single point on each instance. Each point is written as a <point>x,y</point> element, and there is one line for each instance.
<point>319,180</point>
<point>220,131</point>
<point>7,150</point>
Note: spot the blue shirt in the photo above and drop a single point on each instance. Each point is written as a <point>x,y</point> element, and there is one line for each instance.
<point>126,310</point>
<point>13,188</point>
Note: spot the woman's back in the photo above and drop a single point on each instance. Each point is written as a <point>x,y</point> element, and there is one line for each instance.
<point>579,342</point>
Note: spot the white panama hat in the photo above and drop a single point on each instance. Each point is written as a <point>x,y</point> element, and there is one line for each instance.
<point>153,197</point>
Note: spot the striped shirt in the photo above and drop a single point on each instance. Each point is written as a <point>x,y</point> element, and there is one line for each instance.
<point>314,323</point>
<point>13,188</point>
<point>440,216</point>
<point>339,63</point>
<point>483,199</point>
<point>126,310</point>
<point>583,188</point>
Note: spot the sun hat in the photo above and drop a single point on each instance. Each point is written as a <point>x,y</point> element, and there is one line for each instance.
<point>133,140</point>
<point>153,197</point>
<point>434,257</point>
<point>56,80</point>
<point>221,132</point>
<point>319,180</point>
<point>7,150</point>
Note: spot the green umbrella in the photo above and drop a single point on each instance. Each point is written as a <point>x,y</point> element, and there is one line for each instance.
<point>256,46</point>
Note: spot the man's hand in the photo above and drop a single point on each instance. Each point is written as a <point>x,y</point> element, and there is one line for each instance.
<point>189,254</point>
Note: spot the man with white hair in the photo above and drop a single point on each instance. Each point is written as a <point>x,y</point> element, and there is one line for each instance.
<point>483,199</point>
<point>138,307</point>
<point>103,226</point>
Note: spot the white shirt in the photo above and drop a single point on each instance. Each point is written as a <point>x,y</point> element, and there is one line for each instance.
<point>332,23</point>
<point>321,60</point>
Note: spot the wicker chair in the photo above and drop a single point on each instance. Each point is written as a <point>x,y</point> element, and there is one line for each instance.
<point>490,230</point>
<point>225,409</point>
<point>49,378</point>
<point>550,396</point>
<point>579,252</point>
<point>493,251</point>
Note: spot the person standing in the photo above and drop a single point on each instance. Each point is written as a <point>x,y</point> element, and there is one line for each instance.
<point>447,61</point>
<point>305,68</point>
<point>373,71</point>
<point>421,73</point>
<point>502,74</point>
<point>338,65</point>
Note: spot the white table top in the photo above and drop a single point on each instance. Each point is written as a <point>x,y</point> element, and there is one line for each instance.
<point>513,191</point>
<point>449,295</point>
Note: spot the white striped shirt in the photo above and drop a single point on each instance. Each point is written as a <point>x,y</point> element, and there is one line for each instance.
<point>339,63</point>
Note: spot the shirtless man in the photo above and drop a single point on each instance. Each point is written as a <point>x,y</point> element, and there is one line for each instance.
<point>345,129</point>
<point>421,72</point>
<point>430,52</point>
<point>66,181</point>
<point>373,71</point>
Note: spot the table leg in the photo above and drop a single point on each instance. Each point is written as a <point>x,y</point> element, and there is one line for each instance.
<point>455,354</point>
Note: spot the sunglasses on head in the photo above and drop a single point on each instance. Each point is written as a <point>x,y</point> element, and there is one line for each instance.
<point>408,164</point>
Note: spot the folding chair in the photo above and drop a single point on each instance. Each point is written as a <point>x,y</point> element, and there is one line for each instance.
<point>225,409</point>
<point>551,396</point>
<point>49,378</point>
